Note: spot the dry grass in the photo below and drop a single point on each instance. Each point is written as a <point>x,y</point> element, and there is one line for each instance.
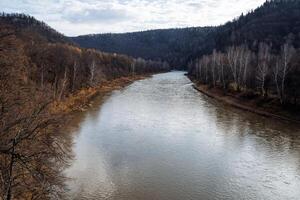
<point>79,101</point>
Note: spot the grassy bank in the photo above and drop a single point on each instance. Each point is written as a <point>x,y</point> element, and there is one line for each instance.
<point>268,107</point>
<point>81,100</point>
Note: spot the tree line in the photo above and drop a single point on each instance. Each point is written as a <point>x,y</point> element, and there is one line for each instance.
<point>272,22</point>
<point>172,45</point>
<point>25,23</point>
<point>66,68</point>
<point>36,69</point>
<point>265,72</point>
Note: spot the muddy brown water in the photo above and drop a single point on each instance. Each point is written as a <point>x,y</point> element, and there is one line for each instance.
<point>160,139</point>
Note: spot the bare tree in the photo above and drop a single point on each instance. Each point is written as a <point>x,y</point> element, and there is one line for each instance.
<point>92,71</point>
<point>276,75</point>
<point>75,68</point>
<point>205,65</point>
<point>221,64</point>
<point>213,67</point>
<point>246,63</point>
<point>233,58</point>
<point>42,76</point>
<point>132,66</point>
<point>32,155</point>
<point>287,53</point>
<point>282,69</point>
<point>263,66</point>
<point>64,84</point>
<point>244,55</point>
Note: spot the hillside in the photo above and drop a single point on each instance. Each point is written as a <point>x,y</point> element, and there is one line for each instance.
<point>252,62</point>
<point>175,46</point>
<point>27,27</point>
<point>256,59</point>
<point>41,71</point>
<point>48,56</point>
<point>257,51</point>
<point>273,22</point>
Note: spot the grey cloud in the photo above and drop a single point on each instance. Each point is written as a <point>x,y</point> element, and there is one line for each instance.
<point>196,5</point>
<point>95,15</point>
<point>74,17</point>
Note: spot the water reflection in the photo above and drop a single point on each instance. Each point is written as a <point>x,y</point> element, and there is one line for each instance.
<point>161,139</point>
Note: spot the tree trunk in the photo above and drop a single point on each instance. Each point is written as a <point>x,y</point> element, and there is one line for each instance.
<point>74,76</point>
<point>12,160</point>
<point>63,85</point>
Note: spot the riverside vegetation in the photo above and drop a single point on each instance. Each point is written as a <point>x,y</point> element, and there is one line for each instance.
<point>254,58</point>
<point>44,75</point>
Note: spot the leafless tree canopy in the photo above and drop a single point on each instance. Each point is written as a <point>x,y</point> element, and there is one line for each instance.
<point>241,69</point>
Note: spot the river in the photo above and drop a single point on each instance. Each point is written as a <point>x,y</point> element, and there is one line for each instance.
<point>160,139</point>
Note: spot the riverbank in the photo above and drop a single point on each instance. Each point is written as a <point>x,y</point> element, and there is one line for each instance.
<point>267,108</point>
<point>81,101</point>
<point>159,135</point>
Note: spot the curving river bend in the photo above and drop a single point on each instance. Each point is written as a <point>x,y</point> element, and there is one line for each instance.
<point>159,139</point>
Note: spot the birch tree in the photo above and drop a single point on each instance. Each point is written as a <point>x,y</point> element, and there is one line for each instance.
<point>247,60</point>
<point>282,69</point>
<point>213,67</point>
<point>276,75</point>
<point>287,53</point>
<point>221,64</point>
<point>263,66</point>
<point>233,56</point>
<point>205,65</point>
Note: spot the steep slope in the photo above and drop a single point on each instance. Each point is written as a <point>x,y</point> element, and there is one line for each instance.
<point>50,54</point>
<point>40,69</point>
<point>273,22</point>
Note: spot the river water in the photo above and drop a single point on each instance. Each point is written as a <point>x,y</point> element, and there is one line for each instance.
<point>159,139</point>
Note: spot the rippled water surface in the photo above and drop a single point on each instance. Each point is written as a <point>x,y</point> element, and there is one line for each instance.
<point>159,139</point>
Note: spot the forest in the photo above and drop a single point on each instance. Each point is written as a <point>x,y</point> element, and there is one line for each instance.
<point>257,56</point>
<point>175,46</point>
<point>263,73</point>
<point>39,66</point>
<point>257,51</point>
<point>271,23</point>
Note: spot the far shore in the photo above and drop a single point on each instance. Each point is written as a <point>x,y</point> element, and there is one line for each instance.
<point>248,105</point>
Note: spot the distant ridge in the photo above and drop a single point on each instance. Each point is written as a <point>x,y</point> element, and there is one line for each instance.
<point>272,22</point>
<point>171,45</point>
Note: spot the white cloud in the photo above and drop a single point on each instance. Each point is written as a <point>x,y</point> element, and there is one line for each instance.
<point>75,17</point>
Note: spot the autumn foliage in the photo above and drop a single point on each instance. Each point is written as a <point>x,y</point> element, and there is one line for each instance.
<point>42,76</point>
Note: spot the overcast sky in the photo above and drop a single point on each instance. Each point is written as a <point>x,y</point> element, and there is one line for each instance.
<point>77,17</point>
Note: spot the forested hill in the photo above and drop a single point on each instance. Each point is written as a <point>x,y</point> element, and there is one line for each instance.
<point>27,27</point>
<point>43,56</point>
<point>40,69</point>
<point>273,22</point>
<point>256,56</point>
<point>172,45</point>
